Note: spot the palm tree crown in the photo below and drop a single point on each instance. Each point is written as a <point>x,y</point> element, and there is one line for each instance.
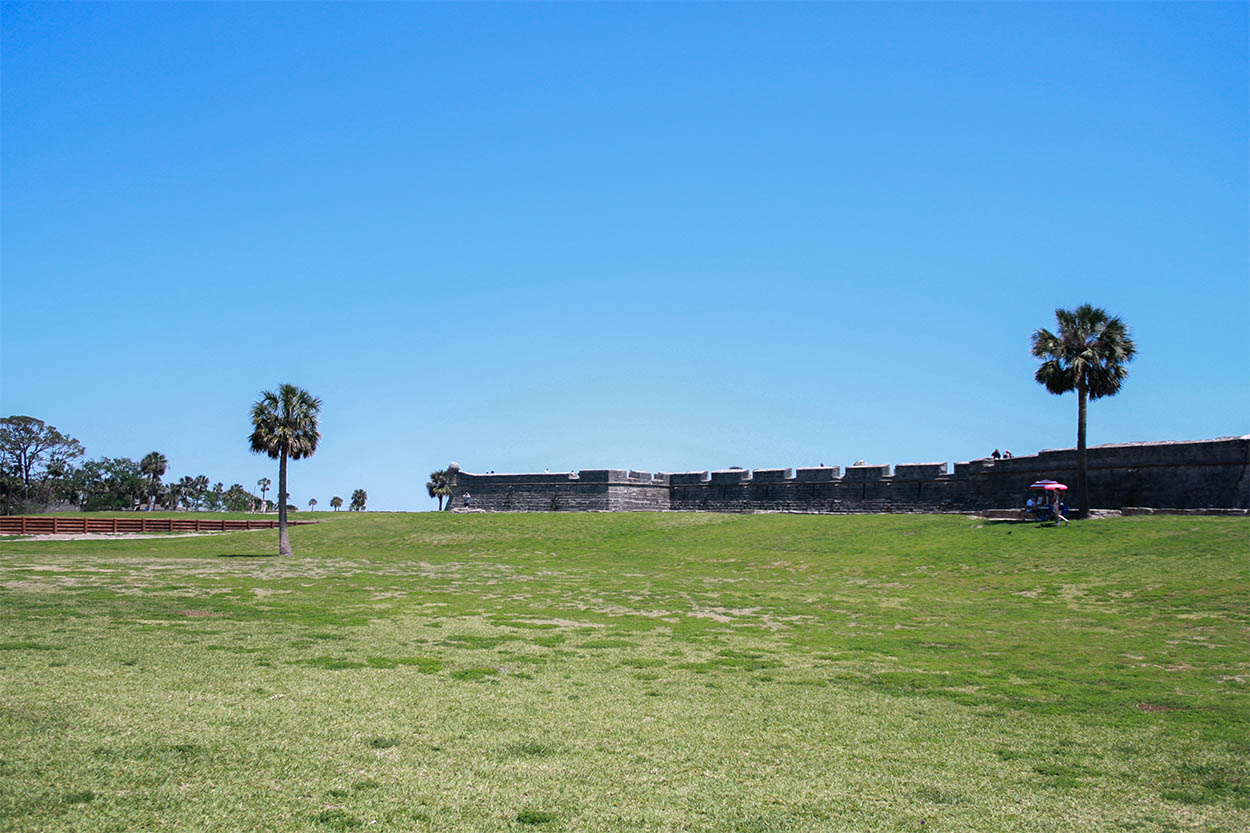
<point>1089,352</point>
<point>286,422</point>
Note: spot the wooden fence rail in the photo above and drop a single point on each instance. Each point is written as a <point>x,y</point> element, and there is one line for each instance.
<point>43,525</point>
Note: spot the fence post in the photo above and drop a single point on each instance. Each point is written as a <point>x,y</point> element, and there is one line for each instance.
<point>54,525</point>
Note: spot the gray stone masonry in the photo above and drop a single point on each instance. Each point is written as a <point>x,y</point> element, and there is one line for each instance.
<point>1203,475</point>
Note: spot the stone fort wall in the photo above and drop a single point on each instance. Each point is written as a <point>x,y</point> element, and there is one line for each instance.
<point>1204,474</point>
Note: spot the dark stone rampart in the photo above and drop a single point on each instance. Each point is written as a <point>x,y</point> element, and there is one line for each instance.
<point>1199,475</point>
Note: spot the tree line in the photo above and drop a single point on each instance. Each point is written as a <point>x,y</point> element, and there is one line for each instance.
<point>42,468</point>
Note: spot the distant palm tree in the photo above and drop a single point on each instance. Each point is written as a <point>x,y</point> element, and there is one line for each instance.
<point>1087,355</point>
<point>439,486</point>
<point>358,500</point>
<point>201,490</point>
<point>153,465</point>
<point>312,503</point>
<point>336,502</point>
<point>284,424</point>
<point>264,485</point>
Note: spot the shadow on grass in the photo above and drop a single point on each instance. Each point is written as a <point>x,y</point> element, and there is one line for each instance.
<point>248,555</point>
<point>1026,524</point>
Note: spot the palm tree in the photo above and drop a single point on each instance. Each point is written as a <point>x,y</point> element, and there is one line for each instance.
<point>1088,355</point>
<point>439,486</point>
<point>201,490</point>
<point>189,491</point>
<point>284,424</point>
<point>153,465</point>
<point>312,504</point>
<point>358,500</point>
<point>263,484</point>
<point>336,502</point>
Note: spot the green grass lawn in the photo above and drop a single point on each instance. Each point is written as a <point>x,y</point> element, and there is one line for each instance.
<point>592,672</point>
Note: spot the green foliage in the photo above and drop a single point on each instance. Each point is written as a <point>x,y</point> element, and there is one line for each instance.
<point>110,483</point>
<point>359,498</point>
<point>238,499</point>
<point>36,463</point>
<point>190,492</point>
<point>1089,353</point>
<point>284,423</point>
<point>439,485</point>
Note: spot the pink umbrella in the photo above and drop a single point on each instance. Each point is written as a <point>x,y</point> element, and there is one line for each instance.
<point>1049,485</point>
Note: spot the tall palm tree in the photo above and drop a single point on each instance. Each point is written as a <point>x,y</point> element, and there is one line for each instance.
<point>358,500</point>
<point>336,502</point>
<point>312,504</point>
<point>153,465</point>
<point>263,484</point>
<point>439,486</point>
<point>1088,355</point>
<point>284,424</point>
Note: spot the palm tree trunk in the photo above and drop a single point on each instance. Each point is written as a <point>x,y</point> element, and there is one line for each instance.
<point>284,540</point>
<point>1082,479</point>
<point>440,503</point>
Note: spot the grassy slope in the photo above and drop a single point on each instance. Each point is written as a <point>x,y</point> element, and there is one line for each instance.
<point>641,672</point>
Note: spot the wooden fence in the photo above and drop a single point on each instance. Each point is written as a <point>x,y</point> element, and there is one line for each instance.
<point>83,524</point>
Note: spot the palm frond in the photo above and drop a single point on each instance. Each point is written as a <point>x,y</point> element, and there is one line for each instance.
<point>285,421</point>
<point>1089,351</point>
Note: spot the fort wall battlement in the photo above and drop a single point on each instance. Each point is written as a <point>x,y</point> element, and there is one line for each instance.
<point>1202,474</point>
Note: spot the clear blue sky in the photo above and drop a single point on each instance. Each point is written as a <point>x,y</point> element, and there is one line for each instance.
<point>665,237</point>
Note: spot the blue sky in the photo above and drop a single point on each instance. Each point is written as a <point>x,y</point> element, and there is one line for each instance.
<point>655,236</point>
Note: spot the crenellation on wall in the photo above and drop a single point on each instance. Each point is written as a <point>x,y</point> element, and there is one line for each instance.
<point>919,471</point>
<point>1198,475</point>
<point>862,472</point>
<point>603,475</point>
